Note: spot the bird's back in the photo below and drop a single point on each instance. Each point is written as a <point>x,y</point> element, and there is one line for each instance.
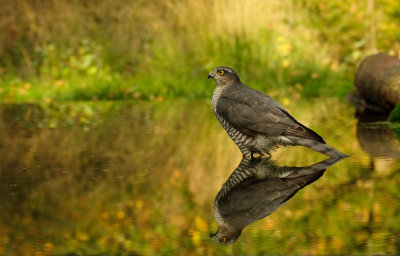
<point>253,112</point>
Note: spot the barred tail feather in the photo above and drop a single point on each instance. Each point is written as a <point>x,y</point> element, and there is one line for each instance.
<point>317,146</point>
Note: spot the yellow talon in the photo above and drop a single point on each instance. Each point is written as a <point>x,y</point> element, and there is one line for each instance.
<point>266,156</point>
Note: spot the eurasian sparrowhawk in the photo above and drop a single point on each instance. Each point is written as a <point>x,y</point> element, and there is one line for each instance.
<point>256,189</point>
<point>255,122</point>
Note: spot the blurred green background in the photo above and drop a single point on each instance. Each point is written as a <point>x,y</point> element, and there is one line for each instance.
<point>136,49</point>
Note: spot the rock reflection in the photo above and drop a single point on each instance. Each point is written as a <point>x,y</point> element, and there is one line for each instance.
<point>256,189</point>
<point>376,137</point>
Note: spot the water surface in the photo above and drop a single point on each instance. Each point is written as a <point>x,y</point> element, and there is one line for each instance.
<point>140,178</point>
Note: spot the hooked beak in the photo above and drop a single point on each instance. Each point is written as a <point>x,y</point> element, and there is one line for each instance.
<point>210,75</point>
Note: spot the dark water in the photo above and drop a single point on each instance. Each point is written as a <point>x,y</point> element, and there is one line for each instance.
<point>140,178</point>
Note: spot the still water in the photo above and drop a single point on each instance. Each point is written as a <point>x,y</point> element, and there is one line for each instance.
<point>140,178</point>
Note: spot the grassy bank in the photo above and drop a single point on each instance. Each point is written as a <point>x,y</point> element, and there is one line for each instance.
<point>83,50</point>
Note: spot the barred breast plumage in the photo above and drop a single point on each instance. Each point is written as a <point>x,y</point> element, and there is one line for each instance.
<point>242,140</point>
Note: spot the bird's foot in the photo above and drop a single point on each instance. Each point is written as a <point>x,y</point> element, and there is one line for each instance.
<point>263,155</point>
<point>266,156</point>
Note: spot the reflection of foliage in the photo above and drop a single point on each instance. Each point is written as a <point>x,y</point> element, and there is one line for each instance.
<point>53,115</point>
<point>395,127</point>
<point>140,178</point>
<point>394,118</point>
<point>395,114</point>
<point>396,132</point>
<point>94,177</point>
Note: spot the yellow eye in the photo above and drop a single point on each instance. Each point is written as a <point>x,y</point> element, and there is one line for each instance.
<point>220,72</point>
<point>222,239</point>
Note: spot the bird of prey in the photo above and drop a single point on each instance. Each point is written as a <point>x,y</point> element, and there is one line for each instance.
<point>257,123</point>
<point>256,189</point>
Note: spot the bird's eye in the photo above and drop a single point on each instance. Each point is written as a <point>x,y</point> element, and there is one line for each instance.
<point>222,239</point>
<point>220,72</point>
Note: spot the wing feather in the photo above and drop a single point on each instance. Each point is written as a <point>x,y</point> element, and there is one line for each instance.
<point>253,112</point>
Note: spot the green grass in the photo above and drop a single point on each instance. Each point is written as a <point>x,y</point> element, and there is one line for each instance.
<point>72,50</point>
<point>119,87</point>
<point>286,70</point>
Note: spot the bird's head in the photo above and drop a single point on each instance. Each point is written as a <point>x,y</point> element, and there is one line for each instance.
<point>224,76</point>
<point>226,235</point>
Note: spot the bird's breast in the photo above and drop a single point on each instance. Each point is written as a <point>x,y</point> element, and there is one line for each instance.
<point>242,140</point>
<point>216,95</point>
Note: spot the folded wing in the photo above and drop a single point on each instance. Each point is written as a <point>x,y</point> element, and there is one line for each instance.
<point>252,113</point>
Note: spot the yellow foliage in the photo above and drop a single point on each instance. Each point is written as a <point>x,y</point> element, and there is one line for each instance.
<point>268,224</point>
<point>48,247</point>
<point>288,213</point>
<point>4,239</point>
<point>337,243</point>
<point>299,86</point>
<point>120,214</point>
<point>139,204</point>
<point>321,246</point>
<point>333,66</point>
<point>314,75</point>
<point>285,63</point>
<point>195,237</point>
<point>285,48</point>
<point>82,236</point>
<point>286,101</point>
<point>105,215</point>
<point>200,224</point>
<point>175,176</point>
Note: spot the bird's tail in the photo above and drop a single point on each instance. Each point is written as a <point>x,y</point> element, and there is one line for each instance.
<point>317,146</point>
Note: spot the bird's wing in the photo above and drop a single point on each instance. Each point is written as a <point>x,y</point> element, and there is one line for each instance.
<point>253,112</point>
<point>256,200</point>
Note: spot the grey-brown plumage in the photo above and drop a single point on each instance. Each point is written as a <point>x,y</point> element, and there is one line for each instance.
<point>255,122</point>
<point>256,189</point>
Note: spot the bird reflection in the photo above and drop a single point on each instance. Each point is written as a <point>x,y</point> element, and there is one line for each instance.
<point>257,188</point>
